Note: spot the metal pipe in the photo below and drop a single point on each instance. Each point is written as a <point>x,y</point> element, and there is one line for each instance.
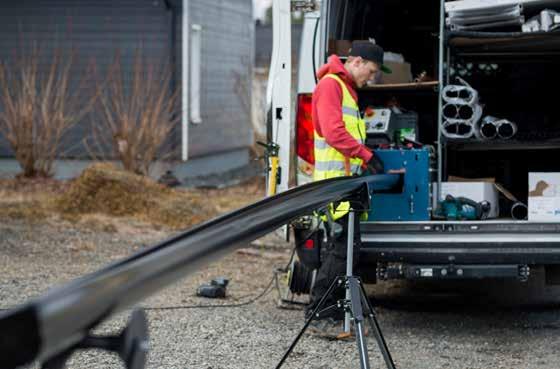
<point>450,111</point>
<point>488,129</point>
<point>506,129</point>
<point>461,95</point>
<point>465,112</point>
<point>59,319</point>
<point>519,211</point>
<point>458,128</point>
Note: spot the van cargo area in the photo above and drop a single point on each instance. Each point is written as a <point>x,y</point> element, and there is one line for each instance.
<point>523,91</point>
<point>469,113</point>
<point>514,75</point>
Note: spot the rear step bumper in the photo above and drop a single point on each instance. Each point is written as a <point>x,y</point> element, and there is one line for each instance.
<point>462,243</point>
<point>427,254</point>
<point>447,272</point>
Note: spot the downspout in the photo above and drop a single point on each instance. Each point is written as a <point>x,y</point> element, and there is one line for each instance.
<point>184,70</point>
<point>185,78</point>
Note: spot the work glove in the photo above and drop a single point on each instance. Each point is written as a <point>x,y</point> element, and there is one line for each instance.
<point>374,166</point>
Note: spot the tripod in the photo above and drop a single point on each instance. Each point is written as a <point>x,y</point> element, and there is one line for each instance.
<point>352,305</point>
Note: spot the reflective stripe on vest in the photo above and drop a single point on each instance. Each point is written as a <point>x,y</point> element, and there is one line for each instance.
<point>336,166</point>
<point>329,162</point>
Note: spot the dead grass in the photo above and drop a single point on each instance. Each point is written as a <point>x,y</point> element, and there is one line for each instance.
<point>107,199</point>
<point>38,109</point>
<point>135,123</point>
<point>104,189</point>
<point>29,198</point>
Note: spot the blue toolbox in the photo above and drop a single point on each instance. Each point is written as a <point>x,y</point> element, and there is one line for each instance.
<point>413,203</point>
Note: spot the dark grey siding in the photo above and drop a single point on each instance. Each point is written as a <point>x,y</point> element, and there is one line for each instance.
<point>227,60</point>
<point>263,45</point>
<point>95,29</point>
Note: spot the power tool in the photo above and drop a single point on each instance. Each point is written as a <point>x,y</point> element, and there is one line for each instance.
<point>462,208</point>
<point>216,288</point>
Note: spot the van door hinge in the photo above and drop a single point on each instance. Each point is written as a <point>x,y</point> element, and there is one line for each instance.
<point>524,273</point>
<point>304,5</point>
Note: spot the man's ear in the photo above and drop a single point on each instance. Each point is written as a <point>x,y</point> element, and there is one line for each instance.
<point>354,59</point>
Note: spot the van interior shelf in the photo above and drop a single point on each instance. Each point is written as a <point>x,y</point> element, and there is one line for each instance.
<point>431,85</point>
<point>493,145</point>
<point>504,42</point>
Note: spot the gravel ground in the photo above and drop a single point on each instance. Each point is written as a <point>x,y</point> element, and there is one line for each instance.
<point>443,332</point>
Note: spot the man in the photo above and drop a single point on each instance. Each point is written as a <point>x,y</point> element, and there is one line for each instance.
<point>340,151</point>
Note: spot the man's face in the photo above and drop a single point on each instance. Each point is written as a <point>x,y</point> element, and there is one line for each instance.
<point>363,71</point>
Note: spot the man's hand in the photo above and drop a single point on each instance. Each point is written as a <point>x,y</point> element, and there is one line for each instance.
<point>375,165</point>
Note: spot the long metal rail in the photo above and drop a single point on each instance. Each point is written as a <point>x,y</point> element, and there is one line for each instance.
<point>61,319</point>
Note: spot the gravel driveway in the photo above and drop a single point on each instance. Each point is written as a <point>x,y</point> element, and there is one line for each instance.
<point>443,332</point>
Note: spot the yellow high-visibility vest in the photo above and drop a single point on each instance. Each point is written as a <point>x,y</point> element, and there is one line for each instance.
<point>329,162</point>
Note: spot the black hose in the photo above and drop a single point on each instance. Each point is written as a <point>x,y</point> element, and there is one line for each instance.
<point>313,50</point>
<point>301,279</point>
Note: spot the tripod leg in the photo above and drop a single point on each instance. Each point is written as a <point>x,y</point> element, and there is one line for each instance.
<point>357,314</point>
<point>57,362</point>
<point>337,282</point>
<point>349,263</point>
<point>377,331</point>
<point>362,346</point>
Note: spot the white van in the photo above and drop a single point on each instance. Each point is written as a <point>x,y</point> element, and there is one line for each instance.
<point>511,72</point>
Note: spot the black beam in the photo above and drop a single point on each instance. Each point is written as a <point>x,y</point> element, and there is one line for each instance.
<point>60,319</point>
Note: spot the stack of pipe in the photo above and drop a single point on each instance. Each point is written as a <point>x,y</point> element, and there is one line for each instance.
<point>465,15</point>
<point>547,20</point>
<point>461,111</point>
<point>492,127</point>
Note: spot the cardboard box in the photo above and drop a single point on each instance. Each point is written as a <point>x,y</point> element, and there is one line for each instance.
<point>401,73</point>
<point>544,197</point>
<point>452,178</point>
<point>476,191</point>
<point>339,47</point>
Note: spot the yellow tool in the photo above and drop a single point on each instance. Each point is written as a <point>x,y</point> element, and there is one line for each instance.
<point>273,169</point>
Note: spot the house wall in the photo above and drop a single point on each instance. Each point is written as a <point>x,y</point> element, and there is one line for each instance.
<point>96,29</point>
<point>227,64</point>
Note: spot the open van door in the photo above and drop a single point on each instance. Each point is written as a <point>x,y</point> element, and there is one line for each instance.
<point>278,99</point>
<point>279,94</point>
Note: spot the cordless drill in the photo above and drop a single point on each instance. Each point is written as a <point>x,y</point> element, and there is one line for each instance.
<point>216,288</point>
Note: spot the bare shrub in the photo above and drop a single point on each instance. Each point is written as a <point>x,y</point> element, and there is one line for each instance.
<point>137,113</point>
<point>39,107</point>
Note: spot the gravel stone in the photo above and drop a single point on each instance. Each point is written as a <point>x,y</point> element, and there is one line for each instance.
<point>450,332</point>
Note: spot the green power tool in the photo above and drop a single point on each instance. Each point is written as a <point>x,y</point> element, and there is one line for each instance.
<point>462,208</point>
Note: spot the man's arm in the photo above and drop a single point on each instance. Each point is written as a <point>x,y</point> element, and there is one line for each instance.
<point>331,126</point>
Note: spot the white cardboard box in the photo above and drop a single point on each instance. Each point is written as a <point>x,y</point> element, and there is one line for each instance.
<point>544,197</point>
<point>476,191</point>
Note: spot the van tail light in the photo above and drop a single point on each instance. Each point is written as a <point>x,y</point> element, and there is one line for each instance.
<point>309,244</point>
<point>304,129</point>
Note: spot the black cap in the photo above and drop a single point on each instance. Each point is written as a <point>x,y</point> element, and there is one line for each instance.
<point>369,51</point>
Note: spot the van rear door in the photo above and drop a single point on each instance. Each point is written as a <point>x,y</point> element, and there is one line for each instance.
<point>278,94</point>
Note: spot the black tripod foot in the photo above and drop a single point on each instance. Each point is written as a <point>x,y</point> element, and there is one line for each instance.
<point>354,306</point>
